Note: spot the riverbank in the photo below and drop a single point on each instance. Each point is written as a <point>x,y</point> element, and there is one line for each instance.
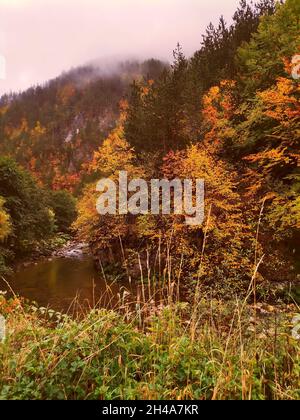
<point>221,351</point>
<point>68,272</point>
<point>72,249</point>
<point>61,246</point>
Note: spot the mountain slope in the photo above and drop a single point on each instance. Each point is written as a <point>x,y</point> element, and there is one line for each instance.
<point>53,129</point>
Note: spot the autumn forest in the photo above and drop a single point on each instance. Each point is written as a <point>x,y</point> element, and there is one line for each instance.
<point>199,312</point>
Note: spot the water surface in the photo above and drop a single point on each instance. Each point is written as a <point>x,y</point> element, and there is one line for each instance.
<point>57,282</point>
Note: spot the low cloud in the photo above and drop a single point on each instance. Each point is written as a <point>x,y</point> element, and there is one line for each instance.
<point>41,38</point>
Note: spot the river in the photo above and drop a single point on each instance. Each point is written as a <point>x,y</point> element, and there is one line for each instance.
<point>56,282</point>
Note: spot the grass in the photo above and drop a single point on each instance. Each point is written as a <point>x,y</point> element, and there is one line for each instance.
<point>151,350</point>
<point>152,346</point>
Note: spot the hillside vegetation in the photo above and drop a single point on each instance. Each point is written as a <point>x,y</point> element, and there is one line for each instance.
<point>214,313</point>
<point>219,352</point>
<point>241,135</point>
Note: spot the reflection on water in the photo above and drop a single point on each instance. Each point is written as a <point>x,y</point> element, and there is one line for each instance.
<point>56,283</point>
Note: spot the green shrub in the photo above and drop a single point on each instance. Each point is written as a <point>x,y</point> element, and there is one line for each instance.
<point>64,206</point>
<point>104,357</point>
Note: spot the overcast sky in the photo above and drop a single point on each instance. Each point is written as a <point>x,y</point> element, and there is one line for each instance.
<point>41,38</point>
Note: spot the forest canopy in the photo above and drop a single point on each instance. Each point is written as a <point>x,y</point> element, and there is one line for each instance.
<point>229,114</point>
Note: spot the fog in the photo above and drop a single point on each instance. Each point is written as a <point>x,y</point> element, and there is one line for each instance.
<point>41,38</point>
